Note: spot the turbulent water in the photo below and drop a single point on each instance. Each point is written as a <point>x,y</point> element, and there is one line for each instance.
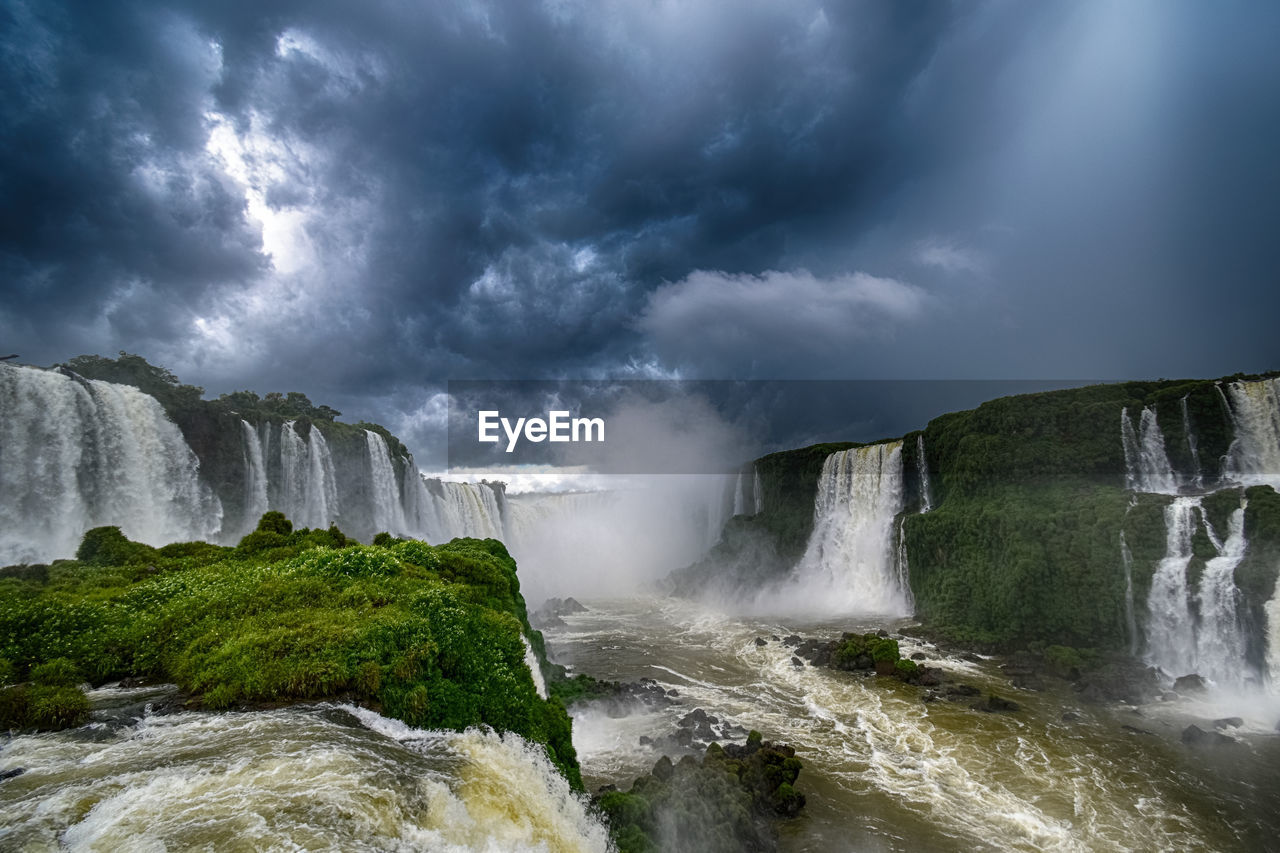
<point>76,454</point>
<point>886,772</point>
<point>922,472</point>
<point>318,777</point>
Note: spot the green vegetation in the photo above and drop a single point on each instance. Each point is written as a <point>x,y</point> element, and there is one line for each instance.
<point>428,635</point>
<point>726,802</point>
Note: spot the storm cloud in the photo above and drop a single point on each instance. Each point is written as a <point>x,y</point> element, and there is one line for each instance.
<point>362,201</point>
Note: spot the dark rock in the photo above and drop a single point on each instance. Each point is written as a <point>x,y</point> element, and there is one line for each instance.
<point>663,769</point>
<point>993,704</point>
<point>773,637</point>
<point>10,774</point>
<point>795,661</point>
<point>1070,717</point>
<point>930,696</point>
<point>1193,735</point>
<point>919,656</point>
<point>1137,731</point>
<point>1190,684</point>
<point>1119,681</point>
<point>954,691</point>
<point>673,692</point>
<point>791,640</point>
<point>645,740</point>
<point>929,677</point>
<point>604,789</point>
<point>970,657</point>
<point>1228,722</point>
<point>882,633</point>
<point>761,641</point>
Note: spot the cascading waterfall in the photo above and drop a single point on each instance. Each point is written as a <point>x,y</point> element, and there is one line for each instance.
<point>76,454</point>
<point>461,509</point>
<point>1220,639</point>
<point>757,491</point>
<point>1130,618</point>
<point>531,661</point>
<point>255,476</point>
<point>1147,467</point>
<point>922,469</point>
<point>1254,456</point>
<point>1197,476</point>
<point>1171,640</point>
<point>1272,609</point>
<point>310,492</point>
<point>388,509</point>
<point>850,565</point>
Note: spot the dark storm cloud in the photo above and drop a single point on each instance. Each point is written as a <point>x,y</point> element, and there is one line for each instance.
<point>363,200</point>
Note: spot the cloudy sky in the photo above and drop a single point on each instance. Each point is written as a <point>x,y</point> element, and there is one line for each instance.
<point>362,200</point>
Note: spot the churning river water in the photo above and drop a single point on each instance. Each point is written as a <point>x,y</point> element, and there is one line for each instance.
<point>883,770</point>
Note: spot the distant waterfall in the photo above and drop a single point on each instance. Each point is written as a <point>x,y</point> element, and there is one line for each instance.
<point>388,510</point>
<point>255,476</point>
<point>757,491</point>
<point>531,661</point>
<point>922,470</point>
<point>1272,609</point>
<point>1147,467</point>
<point>1254,456</point>
<point>1197,475</point>
<point>850,564</point>
<point>740,494</point>
<point>460,509</point>
<point>1130,618</point>
<point>1220,638</point>
<point>310,493</point>
<point>76,454</point>
<point>1171,641</point>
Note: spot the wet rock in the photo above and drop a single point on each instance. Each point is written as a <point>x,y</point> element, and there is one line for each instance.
<point>929,677</point>
<point>663,769</point>
<point>673,692</point>
<point>1137,731</point>
<point>773,637</point>
<point>791,640</point>
<point>761,641</point>
<point>956,691</point>
<point>645,740</point>
<point>930,696</point>
<point>1070,717</point>
<point>970,657</point>
<point>795,661</point>
<point>1119,681</point>
<point>993,704</point>
<point>1193,735</point>
<point>1228,722</point>
<point>919,656</point>
<point>604,789</point>
<point>10,774</point>
<point>1190,684</point>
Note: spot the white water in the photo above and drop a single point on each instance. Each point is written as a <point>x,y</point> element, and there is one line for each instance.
<point>255,477</point>
<point>1254,456</point>
<point>1147,467</point>
<point>76,455</point>
<point>531,661</point>
<point>1197,477</point>
<point>388,511</point>
<point>1130,619</point>
<point>740,494</point>
<point>1220,638</point>
<point>850,565</point>
<point>1171,642</point>
<point>321,777</point>
<point>758,492</point>
<point>1272,608</point>
<point>310,493</point>
<point>922,470</point>
<point>882,770</point>
<point>461,509</point>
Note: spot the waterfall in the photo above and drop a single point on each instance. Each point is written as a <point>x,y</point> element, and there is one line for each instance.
<point>740,494</point>
<point>849,565</point>
<point>76,454</point>
<point>922,470</point>
<point>1130,619</point>
<point>310,491</point>
<point>1220,639</point>
<point>1254,456</point>
<point>1171,642</point>
<point>1272,609</point>
<point>1197,477</point>
<point>757,491</point>
<point>1212,645</point>
<point>388,509</point>
<point>531,661</point>
<point>255,476</point>
<point>462,509</point>
<point>1147,467</point>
